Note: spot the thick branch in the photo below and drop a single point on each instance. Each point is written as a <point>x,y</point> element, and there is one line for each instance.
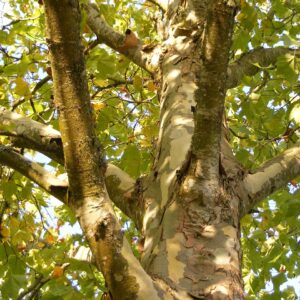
<point>271,176</point>
<point>33,135</point>
<point>210,95</point>
<point>34,172</point>
<point>30,134</point>
<point>115,40</point>
<point>247,64</point>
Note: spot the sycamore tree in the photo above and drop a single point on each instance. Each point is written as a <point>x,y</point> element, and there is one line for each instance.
<point>168,130</point>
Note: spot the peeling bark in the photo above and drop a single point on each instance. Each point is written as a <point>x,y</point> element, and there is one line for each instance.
<point>191,223</point>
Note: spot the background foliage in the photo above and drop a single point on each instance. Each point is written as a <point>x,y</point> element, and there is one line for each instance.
<point>263,114</point>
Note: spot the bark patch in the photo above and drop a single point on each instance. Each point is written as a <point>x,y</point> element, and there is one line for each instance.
<point>105,229</point>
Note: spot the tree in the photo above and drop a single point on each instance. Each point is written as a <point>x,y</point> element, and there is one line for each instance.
<point>170,142</point>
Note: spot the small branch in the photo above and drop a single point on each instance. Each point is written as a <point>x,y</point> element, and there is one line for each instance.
<point>163,4</point>
<point>115,40</point>
<point>109,86</point>
<point>5,52</point>
<point>34,288</point>
<point>34,172</point>
<point>245,65</point>
<point>271,176</point>
<point>91,46</point>
<point>35,89</point>
<point>159,5</point>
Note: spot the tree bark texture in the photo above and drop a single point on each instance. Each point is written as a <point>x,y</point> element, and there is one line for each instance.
<point>191,222</point>
<point>83,157</point>
<point>190,205</point>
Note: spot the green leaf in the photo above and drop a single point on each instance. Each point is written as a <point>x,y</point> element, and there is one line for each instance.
<point>65,214</point>
<point>138,83</point>
<point>131,160</point>
<point>8,189</point>
<point>12,285</point>
<point>241,40</point>
<point>56,289</point>
<point>286,67</point>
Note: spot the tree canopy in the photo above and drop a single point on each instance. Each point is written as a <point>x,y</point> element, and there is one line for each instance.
<point>41,255</point>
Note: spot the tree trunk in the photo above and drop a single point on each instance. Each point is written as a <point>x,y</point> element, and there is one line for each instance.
<point>189,207</point>
<point>191,224</point>
<point>83,157</point>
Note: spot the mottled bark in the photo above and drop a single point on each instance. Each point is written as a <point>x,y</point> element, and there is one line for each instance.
<point>27,133</point>
<point>191,223</point>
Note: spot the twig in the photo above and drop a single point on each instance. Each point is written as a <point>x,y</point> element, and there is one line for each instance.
<point>34,288</point>
<point>158,5</point>
<point>35,89</point>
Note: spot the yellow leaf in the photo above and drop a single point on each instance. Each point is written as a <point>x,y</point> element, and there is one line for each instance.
<point>131,138</point>
<point>14,222</point>
<point>22,88</point>
<point>58,271</point>
<point>98,106</point>
<point>5,232</point>
<point>101,82</point>
<point>21,246</point>
<point>282,269</point>
<point>293,182</point>
<point>41,245</point>
<point>151,86</point>
<point>50,239</point>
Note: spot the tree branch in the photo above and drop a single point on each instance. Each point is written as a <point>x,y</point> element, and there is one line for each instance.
<point>106,34</point>
<point>35,89</point>
<point>33,135</point>
<point>162,5</point>
<point>30,134</point>
<point>271,176</point>
<point>34,172</point>
<point>34,287</point>
<point>245,65</point>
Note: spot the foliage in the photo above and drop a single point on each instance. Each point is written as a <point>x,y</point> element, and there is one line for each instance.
<point>263,114</point>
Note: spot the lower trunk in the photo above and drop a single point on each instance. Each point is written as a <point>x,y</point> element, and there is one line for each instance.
<point>197,248</point>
